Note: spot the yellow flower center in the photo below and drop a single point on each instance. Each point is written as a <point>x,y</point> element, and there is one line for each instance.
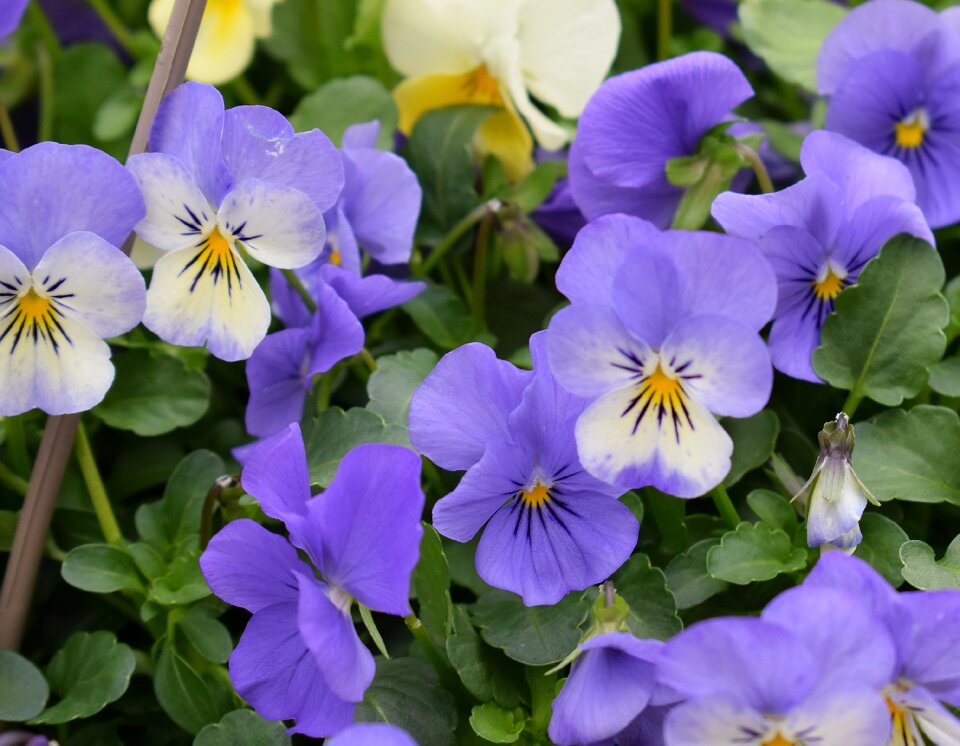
<point>661,385</point>
<point>34,307</point>
<point>660,395</point>
<point>34,317</point>
<point>778,740</point>
<point>902,732</point>
<point>829,284</point>
<point>335,257</point>
<point>481,87</point>
<point>215,257</point>
<point>537,496</point>
<point>911,131</point>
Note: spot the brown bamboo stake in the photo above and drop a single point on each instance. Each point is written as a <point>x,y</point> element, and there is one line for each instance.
<point>57,442</point>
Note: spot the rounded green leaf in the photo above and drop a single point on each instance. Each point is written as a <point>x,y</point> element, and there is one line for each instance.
<point>23,690</point>
<point>101,568</point>
<point>495,724</point>
<point>182,693</point>
<point>754,439</point>
<point>754,552</point>
<point>882,540</point>
<point>688,578</point>
<point>340,103</point>
<point>243,727</point>
<point>922,570</point>
<point>653,609</point>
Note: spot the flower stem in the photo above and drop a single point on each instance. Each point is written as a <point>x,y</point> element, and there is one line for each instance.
<point>47,35</point>
<point>10,141</point>
<point>98,493</point>
<point>725,505</point>
<point>112,21</point>
<point>456,233</point>
<point>367,359</point>
<point>45,65</point>
<point>12,480</point>
<point>222,484</point>
<point>664,28</point>
<point>294,279</point>
<point>16,440</point>
<point>852,402</point>
<point>543,686</point>
<point>479,294</point>
<point>759,168</point>
<point>245,91</point>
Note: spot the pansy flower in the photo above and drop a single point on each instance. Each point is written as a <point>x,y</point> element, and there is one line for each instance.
<point>638,121</point>
<point>500,54</point>
<point>11,12</point>
<point>661,336</point>
<point>925,629</point>
<point>891,70</point>
<point>612,693</point>
<point>548,526</point>
<point>300,657</point>
<point>64,284</point>
<point>819,234</point>
<point>217,184</point>
<point>372,734</point>
<point>226,39</point>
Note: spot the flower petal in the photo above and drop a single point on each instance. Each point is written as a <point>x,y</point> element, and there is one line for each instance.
<point>279,225</point>
<point>839,570</point>
<point>346,664</point>
<point>435,36</point>
<point>189,127</point>
<point>50,190</point>
<point>793,337</point>
<point>366,526</point>
<point>936,722</point>
<point>931,655</point>
<point>178,214</point>
<point>849,715</point>
<point>874,223</point>
<point>247,566</point>
<point>370,294</point>
<point>462,404</point>
<point>275,472</point>
<point>203,294</point>
<point>834,518</point>
<point>272,669</point>
<point>372,734</point>
<point>95,283</point>
<point>278,382</point>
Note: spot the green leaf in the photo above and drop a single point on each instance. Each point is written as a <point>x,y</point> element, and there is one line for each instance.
<point>439,313</point>
<point>529,193</point>
<point>101,568</point>
<point>534,635</point>
<point>328,438</point>
<point>922,570</point>
<point>653,609</point>
<point>688,578</point>
<point>754,552</point>
<point>88,673</point>
<point>23,690</point>
<point>754,439</point>
<point>773,509</point>
<point>431,579</point>
<point>668,512</point>
<point>485,671</point>
<point>910,455</point>
<point>207,635</point>
<point>392,384</point>
<point>887,329</point>
<point>788,34</point>
<point>405,693</point>
<point>945,376</point>
<point>182,693</point>
<point>439,153</point>
<point>8,527</point>
<point>117,116</point>
<point>243,727</point>
<point>346,101</point>
<point>882,540</point>
<point>153,394</point>
<point>493,723</point>
<point>183,583</point>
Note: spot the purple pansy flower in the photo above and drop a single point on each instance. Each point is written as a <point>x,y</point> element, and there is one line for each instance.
<point>550,528</point>
<point>11,11</point>
<point>891,69</point>
<point>64,284</point>
<point>218,182</point>
<point>925,629</point>
<point>755,682</point>
<point>372,734</point>
<point>611,695</point>
<point>638,121</point>
<point>300,657</point>
<point>661,335</point>
<point>819,234</point>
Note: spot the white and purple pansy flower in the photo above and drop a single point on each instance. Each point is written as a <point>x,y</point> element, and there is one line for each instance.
<point>662,334</point>
<point>65,285</point>
<point>217,184</point>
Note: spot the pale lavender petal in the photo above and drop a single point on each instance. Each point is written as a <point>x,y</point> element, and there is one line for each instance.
<point>276,474</point>
<point>838,570</point>
<point>463,404</point>
<point>278,381</point>
<point>372,734</point>
<point>10,15</point>
<point>849,715</point>
<point>715,720</point>
<point>250,567</point>
<point>363,135</point>
<point>272,669</point>
<point>793,337</point>
<point>189,126</point>
<point>931,655</point>
<point>50,190</point>
<point>874,223</point>
<point>370,294</point>
<point>345,663</point>
<point>367,525</point>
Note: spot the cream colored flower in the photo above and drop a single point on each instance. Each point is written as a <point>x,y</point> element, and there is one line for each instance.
<point>225,42</point>
<point>502,53</point>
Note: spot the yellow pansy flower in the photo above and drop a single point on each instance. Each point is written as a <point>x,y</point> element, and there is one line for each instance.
<point>501,53</point>
<point>225,42</point>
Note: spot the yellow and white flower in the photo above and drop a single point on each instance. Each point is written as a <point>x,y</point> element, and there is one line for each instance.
<point>226,39</point>
<point>503,53</point>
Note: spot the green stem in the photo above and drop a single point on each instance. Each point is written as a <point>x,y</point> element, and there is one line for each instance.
<point>45,65</point>
<point>456,233</point>
<point>294,279</point>
<point>10,141</point>
<point>759,168</point>
<point>367,359</point>
<point>664,28</point>
<point>245,91</point>
<point>324,385</point>
<point>112,21</point>
<point>47,35</point>
<point>543,688</point>
<point>725,505</point>
<point>437,659</point>
<point>852,402</point>
<point>17,445</point>
<point>479,294</point>
<point>222,484</point>
<point>13,481</point>
<point>98,493</point>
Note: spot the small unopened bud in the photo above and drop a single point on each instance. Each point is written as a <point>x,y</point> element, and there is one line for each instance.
<point>834,497</point>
